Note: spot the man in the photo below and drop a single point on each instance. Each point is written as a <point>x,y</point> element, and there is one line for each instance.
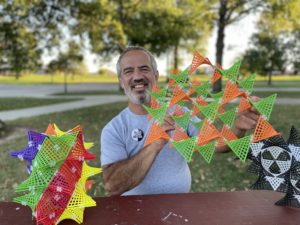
<point>129,168</point>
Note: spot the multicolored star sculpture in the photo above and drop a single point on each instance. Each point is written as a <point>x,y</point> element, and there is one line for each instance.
<point>215,126</point>
<point>58,182</point>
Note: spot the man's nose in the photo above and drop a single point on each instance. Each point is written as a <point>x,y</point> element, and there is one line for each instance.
<point>137,75</point>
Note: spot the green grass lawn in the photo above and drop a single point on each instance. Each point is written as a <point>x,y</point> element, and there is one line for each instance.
<point>112,92</point>
<point>20,103</point>
<point>223,174</point>
<point>279,94</point>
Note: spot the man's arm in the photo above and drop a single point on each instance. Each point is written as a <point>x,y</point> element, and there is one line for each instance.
<point>126,174</point>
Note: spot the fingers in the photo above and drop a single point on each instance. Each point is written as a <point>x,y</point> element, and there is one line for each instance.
<point>168,123</point>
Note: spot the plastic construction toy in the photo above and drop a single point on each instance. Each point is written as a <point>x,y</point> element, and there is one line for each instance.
<point>58,182</point>
<point>277,164</point>
<point>187,100</point>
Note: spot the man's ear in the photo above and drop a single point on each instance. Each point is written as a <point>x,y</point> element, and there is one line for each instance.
<point>121,83</point>
<point>156,75</point>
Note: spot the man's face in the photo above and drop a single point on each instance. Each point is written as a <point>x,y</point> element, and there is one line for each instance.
<point>137,76</point>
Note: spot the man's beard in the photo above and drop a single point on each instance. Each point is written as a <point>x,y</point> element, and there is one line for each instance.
<point>137,99</point>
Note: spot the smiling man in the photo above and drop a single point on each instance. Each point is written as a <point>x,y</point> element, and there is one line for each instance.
<point>129,168</point>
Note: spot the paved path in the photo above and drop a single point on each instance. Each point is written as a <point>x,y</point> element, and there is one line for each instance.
<point>87,101</point>
<point>45,91</point>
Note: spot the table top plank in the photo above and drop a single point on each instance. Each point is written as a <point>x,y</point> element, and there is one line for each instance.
<point>240,208</point>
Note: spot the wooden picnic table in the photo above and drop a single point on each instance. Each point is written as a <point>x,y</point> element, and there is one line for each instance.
<point>209,208</point>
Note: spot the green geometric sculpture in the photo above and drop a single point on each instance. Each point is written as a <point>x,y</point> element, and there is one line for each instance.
<point>240,146</point>
<point>30,199</point>
<point>38,180</point>
<point>248,83</point>
<point>203,89</point>
<point>207,151</point>
<point>210,110</point>
<point>217,95</point>
<point>233,72</point>
<point>158,114</point>
<point>228,117</point>
<point>185,147</point>
<point>160,96</point>
<point>182,121</point>
<point>198,124</point>
<point>182,77</point>
<point>265,106</point>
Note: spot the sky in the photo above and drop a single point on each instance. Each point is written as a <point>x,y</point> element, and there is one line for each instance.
<point>237,37</point>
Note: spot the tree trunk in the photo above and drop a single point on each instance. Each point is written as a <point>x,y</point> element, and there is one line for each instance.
<point>65,83</point>
<point>220,40</point>
<point>176,57</point>
<point>269,78</point>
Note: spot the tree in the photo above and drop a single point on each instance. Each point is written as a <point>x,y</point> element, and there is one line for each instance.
<point>158,25</point>
<point>68,63</point>
<point>281,18</point>
<point>19,45</point>
<point>228,12</point>
<point>266,55</point>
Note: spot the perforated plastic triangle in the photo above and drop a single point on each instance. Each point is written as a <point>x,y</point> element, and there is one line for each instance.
<point>240,147</point>
<point>248,83</point>
<point>158,113</point>
<point>228,117</point>
<point>183,120</point>
<point>207,133</point>
<point>155,133</point>
<point>265,105</point>
<point>185,148</point>
<point>233,72</point>
<point>263,130</point>
<point>207,151</point>
<point>210,111</point>
<point>203,89</point>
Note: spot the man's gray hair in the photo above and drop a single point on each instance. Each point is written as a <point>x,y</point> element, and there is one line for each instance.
<point>139,48</point>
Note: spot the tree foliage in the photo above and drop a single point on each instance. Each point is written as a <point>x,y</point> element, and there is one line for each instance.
<point>19,45</point>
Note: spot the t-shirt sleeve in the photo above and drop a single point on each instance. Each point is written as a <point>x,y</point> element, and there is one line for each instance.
<point>112,146</point>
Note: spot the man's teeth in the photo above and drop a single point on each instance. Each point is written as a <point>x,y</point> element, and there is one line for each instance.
<point>139,86</point>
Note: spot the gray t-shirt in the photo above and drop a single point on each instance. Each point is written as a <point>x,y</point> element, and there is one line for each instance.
<point>124,136</point>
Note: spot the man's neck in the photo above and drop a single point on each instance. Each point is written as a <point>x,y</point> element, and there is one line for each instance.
<point>137,109</point>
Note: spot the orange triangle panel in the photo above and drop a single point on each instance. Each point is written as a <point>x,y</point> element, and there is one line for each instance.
<point>226,133</point>
<point>263,130</point>
<point>155,133</point>
<point>207,133</point>
<point>244,105</point>
<point>231,91</point>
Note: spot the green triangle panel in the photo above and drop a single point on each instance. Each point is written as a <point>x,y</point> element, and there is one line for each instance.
<point>233,72</point>
<point>248,83</point>
<point>210,110</point>
<point>38,180</point>
<point>216,96</point>
<point>54,150</point>
<point>185,147</point>
<point>203,89</point>
<point>228,117</point>
<point>159,96</point>
<point>265,106</point>
<point>207,151</point>
<point>159,113</point>
<point>198,124</point>
<point>182,102</point>
<point>31,199</point>
<point>182,77</point>
<point>240,146</point>
<point>182,121</point>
